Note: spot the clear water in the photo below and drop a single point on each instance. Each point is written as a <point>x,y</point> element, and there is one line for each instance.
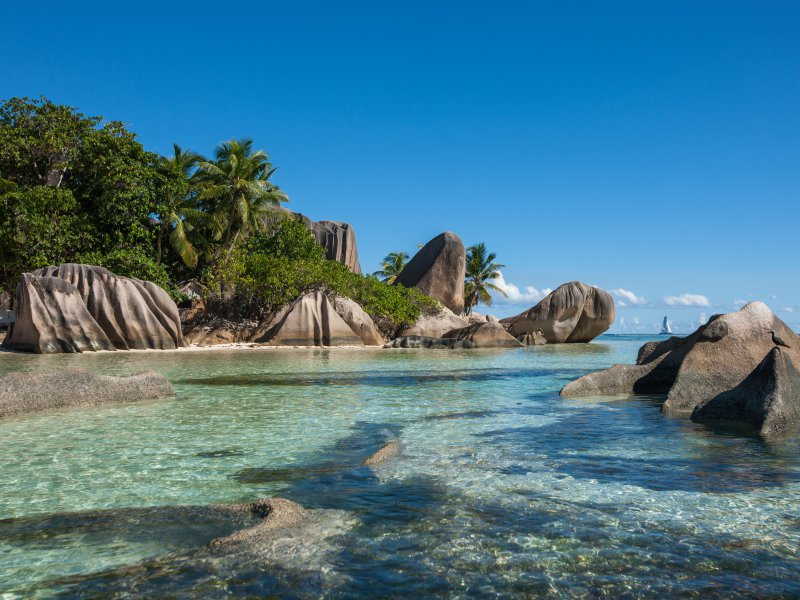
<point>503,488</point>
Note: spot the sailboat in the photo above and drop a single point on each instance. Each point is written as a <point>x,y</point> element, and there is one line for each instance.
<point>665,328</point>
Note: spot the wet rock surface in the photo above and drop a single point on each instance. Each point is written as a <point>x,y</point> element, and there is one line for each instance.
<point>727,370</point>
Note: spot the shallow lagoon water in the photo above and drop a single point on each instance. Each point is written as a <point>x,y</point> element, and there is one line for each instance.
<point>503,488</point>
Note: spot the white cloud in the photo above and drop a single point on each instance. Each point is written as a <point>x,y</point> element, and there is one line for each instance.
<point>702,319</point>
<point>515,295</point>
<point>628,296</point>
<point>789,309</point>
<point>687,300</point>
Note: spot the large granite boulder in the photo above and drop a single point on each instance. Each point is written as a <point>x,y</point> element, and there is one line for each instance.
<point>435,325</point>
<point>339,241</point>
<point>708,373</point>
<point>359,321</point>
<point>22,393</point>
<point>308,321</point>
<point>438,271</point>
<point>573,312</point>
<point>768,399</point>
<point>75,308</point>
<point>489,334</point>
<point>338,238</point>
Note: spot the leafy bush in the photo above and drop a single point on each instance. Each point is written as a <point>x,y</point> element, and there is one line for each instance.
<point>38,227</point>
<point>271,269</point>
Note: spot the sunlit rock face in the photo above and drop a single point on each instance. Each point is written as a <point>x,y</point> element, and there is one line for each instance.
<point>573,312</point>
<point>438,271</point>
<point>308,321</point>
<point>485,335</point>
<point>727,370</point>
<point>78,308</point>
<point>339,241</point>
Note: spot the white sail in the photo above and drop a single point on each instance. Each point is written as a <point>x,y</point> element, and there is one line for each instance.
<point>665,328</point>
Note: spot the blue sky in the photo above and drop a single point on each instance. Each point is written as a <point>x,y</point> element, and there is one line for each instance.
<point>647,147</point>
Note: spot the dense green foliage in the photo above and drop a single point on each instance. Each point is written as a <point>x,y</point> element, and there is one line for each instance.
<point>273,267</point>
<point>480,271</point>
<point>79,189</point>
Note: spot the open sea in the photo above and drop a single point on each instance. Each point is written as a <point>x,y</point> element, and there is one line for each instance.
<point>502,489</point>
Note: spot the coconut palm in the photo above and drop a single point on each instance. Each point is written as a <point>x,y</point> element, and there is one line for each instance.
<point>392,264</point>
<point>480,271</point>
<point>181,212</point>
<point>236,188</point>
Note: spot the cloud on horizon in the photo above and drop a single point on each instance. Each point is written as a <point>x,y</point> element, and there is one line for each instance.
<point>628,297</point>
<point>515,295</point>
<point>687,300</point>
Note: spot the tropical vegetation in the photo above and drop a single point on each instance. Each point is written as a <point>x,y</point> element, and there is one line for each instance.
<point>391,266</point>
<point>76,188</point>
<point>480,272</point>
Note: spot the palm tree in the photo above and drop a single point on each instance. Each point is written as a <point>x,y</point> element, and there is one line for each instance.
<point>392,264</point>
<point>236,188</point>
<point>182,213</point>
<point>480,271</point>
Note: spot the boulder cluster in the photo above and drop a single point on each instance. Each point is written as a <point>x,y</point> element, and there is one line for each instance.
<point>78,308</point>
<point>75,308</point>
<point>728,370</point>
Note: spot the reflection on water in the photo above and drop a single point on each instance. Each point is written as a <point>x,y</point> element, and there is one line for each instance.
<point>503,487</point>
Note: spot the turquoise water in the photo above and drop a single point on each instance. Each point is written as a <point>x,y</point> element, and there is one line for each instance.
<point>503,488</point>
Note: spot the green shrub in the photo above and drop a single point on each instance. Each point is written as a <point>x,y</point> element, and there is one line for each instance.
<point>270,270</point>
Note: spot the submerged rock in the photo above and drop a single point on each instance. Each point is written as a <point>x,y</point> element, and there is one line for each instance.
<point>386,452</point>
<point>573,312</point>
<point>418,341</point>
<point>729,358</point>
<point>438,271</point>
<point>489,334</point>
<point>24,393</point>
<point>274,513</point>
<point>77,308</point>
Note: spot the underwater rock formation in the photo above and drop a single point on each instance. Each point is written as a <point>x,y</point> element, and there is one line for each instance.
<point>23,393</point>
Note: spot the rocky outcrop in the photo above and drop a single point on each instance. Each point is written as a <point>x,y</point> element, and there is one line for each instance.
<point>222,331</point>
<point>767,400</point>
<point>485,335</point>
<point>435,325</point>
<point>574,312</point>
<point>359,321</point>
<point>23,393</point>
<point>708,373</point>
<point>75,308</point>
<point>308,321</point>
<point>438,271</point>
<point>418,341</point>
<point>336,237</point>
<point>532,339</point>
<point>339,241</point>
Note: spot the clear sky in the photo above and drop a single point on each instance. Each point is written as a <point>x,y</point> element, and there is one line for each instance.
<point>647,147</point>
